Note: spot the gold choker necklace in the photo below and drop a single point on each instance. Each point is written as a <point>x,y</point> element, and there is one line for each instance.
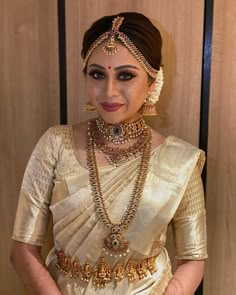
<point>117,156</point>
<point>122,132</point>
<point>115,243</point>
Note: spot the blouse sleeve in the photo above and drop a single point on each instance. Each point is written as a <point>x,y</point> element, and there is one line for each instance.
<point>189,222</point>
<point>33,206</point>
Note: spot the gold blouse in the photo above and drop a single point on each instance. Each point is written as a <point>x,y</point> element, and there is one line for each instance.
<point>55,181</point>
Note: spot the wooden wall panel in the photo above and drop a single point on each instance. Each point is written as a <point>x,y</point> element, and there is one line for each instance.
<point>181,24</point>
<point>221,179</point>
<point>29,95</point>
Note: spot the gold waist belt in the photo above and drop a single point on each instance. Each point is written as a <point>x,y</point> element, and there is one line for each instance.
<point>102,273</point>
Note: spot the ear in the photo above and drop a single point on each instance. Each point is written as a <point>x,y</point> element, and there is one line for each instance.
<point>152,83</point>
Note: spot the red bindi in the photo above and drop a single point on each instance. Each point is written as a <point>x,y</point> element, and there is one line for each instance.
<point>109,67</point>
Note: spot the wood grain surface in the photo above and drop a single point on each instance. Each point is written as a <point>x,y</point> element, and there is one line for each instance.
<point>29,95</point>
<point>220,275</point>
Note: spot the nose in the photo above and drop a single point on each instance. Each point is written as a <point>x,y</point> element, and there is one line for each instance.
<point>111,88</point>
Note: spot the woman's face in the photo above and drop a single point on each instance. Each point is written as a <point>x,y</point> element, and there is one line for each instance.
<point>117,85</point>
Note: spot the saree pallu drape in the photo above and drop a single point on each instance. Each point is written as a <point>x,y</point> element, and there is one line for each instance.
<point>55,180</point>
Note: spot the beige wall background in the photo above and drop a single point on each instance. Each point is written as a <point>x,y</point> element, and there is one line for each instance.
<point>221,179</point>
<point>29,95</point>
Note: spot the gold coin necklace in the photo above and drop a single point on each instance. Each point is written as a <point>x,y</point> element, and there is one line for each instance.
<point>115,243</point>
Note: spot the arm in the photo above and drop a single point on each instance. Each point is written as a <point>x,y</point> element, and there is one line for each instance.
<point>32,217</point>
<point>186,278</point>
<point>189,228</point>
<point>30,267</point>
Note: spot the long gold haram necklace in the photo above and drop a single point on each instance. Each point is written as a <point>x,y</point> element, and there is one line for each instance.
<point>115,243</point>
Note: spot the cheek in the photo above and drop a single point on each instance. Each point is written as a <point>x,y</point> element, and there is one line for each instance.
<point>93,90</point>
<point>137,92</point>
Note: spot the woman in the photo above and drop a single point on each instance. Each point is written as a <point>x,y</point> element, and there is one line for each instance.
<point>113,184</point>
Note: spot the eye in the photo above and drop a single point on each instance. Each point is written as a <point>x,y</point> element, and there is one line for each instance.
<point>126,76</point>
<point>96,75</point>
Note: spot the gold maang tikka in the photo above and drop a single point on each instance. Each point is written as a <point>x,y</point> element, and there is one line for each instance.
<point>110,48</point>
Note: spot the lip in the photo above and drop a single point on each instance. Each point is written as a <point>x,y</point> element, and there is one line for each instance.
<point>111,107</point>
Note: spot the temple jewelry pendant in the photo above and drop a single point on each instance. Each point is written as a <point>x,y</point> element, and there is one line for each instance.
<point>86,272</point>
<point>75,269</point>
<point>63,262</point>
<point>131,271</point>
<point>151,264</point>
<point>142,268</point>
<point>102,274</point>
<point>118,272</point>
<point>116,244</point>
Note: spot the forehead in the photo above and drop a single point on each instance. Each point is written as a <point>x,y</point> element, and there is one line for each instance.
<point>123,56</point>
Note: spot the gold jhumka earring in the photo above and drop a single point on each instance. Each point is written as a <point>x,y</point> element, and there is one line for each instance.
<point>152,97</point>
<point>89,108</point>
<point>148,109</point>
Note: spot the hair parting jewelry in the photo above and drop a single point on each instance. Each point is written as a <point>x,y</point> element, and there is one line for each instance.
<point>110,48</point>
<point>115,243</point>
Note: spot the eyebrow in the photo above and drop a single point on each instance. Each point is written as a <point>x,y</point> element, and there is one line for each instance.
<point>116,68</point>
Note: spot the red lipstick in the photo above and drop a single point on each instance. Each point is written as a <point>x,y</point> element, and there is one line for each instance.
<point>111,107</point>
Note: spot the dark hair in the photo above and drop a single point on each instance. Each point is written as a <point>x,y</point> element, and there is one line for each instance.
<point>137,27</point>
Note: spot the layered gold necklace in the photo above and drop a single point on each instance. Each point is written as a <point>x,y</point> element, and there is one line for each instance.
<point>115,243</point>
<point>101,132</point>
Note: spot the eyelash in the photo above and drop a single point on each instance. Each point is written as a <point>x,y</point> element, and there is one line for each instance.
<point>128,76</point>
<point>97,75</point>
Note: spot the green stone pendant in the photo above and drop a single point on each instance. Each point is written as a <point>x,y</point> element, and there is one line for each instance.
<point>115,243</point>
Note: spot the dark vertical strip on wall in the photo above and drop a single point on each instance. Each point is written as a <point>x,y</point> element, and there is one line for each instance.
<point>205,89</point>
<point>206,75</point>
<point>62,60</point>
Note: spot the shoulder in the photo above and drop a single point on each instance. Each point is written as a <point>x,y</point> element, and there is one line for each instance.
<point>176,152</point>
<point>173,145</point>
<point>58,130</point>
<point>179,144</point>
<point>68,136</point>
<point>80,129</point>
<point>57,136</point>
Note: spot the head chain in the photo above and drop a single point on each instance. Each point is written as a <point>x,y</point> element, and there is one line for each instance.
<point>110,48</point>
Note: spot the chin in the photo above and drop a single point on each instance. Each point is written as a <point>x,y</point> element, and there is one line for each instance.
<point>111,119</point>
<point>116,119</point>
<point>119,116</point>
